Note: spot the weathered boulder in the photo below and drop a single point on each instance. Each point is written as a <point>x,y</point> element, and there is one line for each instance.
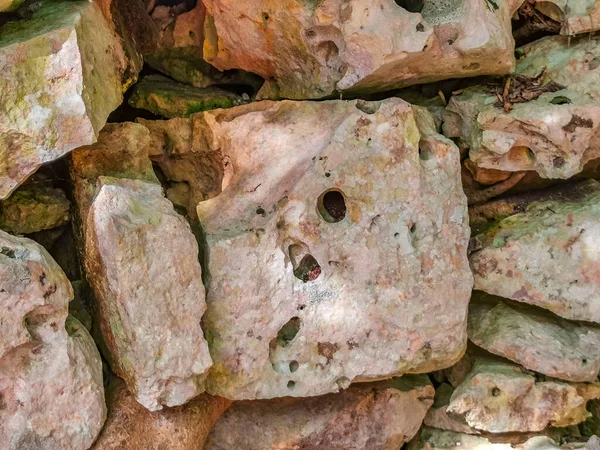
<point>546,255</point>
<point>350,243</point>
<point>553,121</point>
<point>374,416</point>
<point>499,398</point>
<point>168,98</point>
<point>142,263</point>
<point>576,16</point>
<point>51,392</point>
<point>61,73</point>
<point>129,425</point>
<point>534,338</point>
<point>33,208</point>
<point>307,49</point>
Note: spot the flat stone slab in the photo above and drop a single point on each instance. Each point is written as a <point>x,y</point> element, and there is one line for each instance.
<point>342,259</point>
<point>555,133</point>
<point>534,338</point>
<point>546,255</point>
<point>370,416</point>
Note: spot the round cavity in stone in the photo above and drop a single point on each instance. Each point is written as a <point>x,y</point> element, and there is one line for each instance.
<point>332,205</point>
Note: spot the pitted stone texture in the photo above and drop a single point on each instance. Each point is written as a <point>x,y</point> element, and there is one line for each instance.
<point>301,305</point>
<point>374,416</point>
<point>308,49</point>
<point>576,16</point>
<point>534,338</point>
<point>142,262</point>
<point>61,74</point>
<point>547,255</point>
<point>555,140</point>
<point>51,389</point>
<point>34,207</point>
<point>130,426</point>
<point>33,287</point>
<point>499,398</point>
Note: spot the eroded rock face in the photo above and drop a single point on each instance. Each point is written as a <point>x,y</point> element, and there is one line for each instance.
<point>350,244</point>
<point>129,425</point>
<point>576,16</point>
<point>142,262</point>
<point>547,255</point>
<point>72,44</point>
<point>314,49</point>
<point>498,398</point>
<point>554,134</point>
<point>50,372</point>
<point>365,416</point>
<point>534,338</point>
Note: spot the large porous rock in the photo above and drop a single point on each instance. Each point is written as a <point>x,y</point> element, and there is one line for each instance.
<point>34,207</point>
<point>576,16</point>
<point>142,263</point>
<point>51,391</point>
<point>307,49</point>
<point>546,255</point>
<point>130,425</point>
<point>535,338</point>
<point>498,397</point>
<point>553,121</point>
<point>61,73</point>
<point>374,416</point>
<point>342,259</point>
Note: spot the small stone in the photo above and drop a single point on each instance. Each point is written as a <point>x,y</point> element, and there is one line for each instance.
<point>544,255</point>
<point>33,208</point>
<point>167,98</point>
<point>553,133</point>
<point>535,338</point>
<point>498,397</point>
<point>386,232</point>
<point>364,417</point>
<point>129,425</point>
<point>142,263</point>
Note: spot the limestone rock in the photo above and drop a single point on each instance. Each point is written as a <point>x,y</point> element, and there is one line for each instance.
<point>167,98</point>
<point>534,338</point>
<point>61,74</point>
<point>308,49</point>
<point>51,388</point>
<point>142,263</point>
<point>554,134</point>
<point>129,425</point>
<point>374,416</point>
<point>33,208</point>
<point>576,16</point>
<point>498,398</point>
<point>438,416</point>
<point>546,255</point>
<point>350,243</point>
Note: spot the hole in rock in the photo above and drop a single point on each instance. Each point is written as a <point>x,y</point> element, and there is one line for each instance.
<point>414,6</point>
<point>584,361</point>
<point>288,332</point>
<point>291,384</point>
<point>332,206</point>
<point>496,392</point>
<point>308,269</point>
<point>425,154</point>
<point>294,366</point>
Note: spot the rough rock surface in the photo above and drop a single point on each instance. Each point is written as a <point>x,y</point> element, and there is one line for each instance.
<point>351,242</point>
<point>34,207</point>
<point>546,255</point>
<point>554,134</point>
<point>50,373</point>
<point>576,16</point>
<point>438,416</point>
<point>534,338</point>
<point>308,49</point>
<point>142,263</point>
<point>129,425</point>
<point>499,398</point>
<point>167,98</point>
<point>72,44</point>
<point>364,417</point>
